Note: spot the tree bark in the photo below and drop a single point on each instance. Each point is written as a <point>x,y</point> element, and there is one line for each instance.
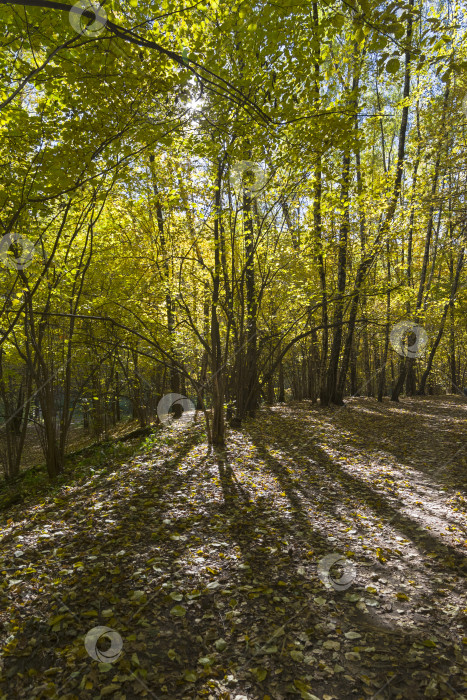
<point>447,306</point>
<point>218,425</point>
<point>408,365</point>
<point>383,230</point>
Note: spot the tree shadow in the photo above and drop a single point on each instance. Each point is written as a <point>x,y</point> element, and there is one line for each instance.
<point>242,552</point>
<point>323,472</point>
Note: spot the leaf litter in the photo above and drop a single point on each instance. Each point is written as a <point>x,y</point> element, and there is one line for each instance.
<point>206,563</point>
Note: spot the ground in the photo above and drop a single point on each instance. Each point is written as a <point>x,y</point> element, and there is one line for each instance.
<point>213,568</point>
<point>78,438</point>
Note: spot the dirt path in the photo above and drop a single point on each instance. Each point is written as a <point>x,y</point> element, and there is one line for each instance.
<point>216,569</point>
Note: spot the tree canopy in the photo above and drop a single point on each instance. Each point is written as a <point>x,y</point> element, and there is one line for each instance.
<point>237,202</point>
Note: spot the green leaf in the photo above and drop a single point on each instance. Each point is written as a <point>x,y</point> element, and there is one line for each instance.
<point>393,65</point>
<point>178,611</point>
<point>205,661</point>
<point>110,689</point>
<point>428,643</point>
<point>259,673</point>
<point>104,668</point>
<point>296,655</point>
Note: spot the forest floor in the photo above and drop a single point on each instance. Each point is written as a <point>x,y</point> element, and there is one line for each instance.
<point>78,439</point>
<point>210,565</point>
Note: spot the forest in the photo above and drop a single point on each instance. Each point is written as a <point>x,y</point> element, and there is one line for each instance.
<point>233,349</point>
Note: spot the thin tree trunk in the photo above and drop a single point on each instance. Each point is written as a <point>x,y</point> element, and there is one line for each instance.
<point>332,374</point>
<point>447,306</point>
<point>174,374</point>
<point>218,425</point>
<point>383,231</point>
<point>408,365</point>
<point>281,396</point>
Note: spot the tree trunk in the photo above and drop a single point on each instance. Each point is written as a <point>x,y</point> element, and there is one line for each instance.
<point>383,231</point>
<point>174,374</point>
<point>447,306</point>
<point>281,396</point>
<point>251,393</point>
<point>332,375</point>
<point>218,425</point>
<point>408,365</point>
<point>384,359</point>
